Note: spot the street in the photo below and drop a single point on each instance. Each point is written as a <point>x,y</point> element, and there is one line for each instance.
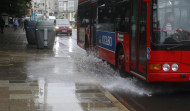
<point>67,79</point>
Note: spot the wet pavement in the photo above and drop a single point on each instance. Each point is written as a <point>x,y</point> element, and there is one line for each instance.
<point>67,79</point>
<point>48,80</point>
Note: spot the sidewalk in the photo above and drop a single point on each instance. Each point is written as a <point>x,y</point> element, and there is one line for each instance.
<point>46,80</point>
<point>11,39</point>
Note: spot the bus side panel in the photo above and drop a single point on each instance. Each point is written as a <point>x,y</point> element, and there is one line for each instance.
<point>106,46</point>
<point>125,40</point>
<point>126,49</point>
<point>106,55</point>
<point>133,64</point>
<point>142,68</point>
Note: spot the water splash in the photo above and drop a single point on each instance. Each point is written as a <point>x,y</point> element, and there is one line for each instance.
<point>107,76</point>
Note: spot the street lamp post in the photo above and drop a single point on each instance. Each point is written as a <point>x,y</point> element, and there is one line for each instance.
<point>45,10</point>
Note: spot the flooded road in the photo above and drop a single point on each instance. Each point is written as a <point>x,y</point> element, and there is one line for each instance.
<point>67,79</point>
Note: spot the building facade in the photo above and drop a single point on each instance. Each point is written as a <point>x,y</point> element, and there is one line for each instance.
<point>59,8</point>
<point>67,9</point>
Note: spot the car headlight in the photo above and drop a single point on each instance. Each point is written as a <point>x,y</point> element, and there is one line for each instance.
<point>57,27</point>
<point>175,67</point>
<point>70,27</point>
<point>166,67</point>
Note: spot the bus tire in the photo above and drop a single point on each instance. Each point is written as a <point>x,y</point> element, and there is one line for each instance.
<point>120,61</point>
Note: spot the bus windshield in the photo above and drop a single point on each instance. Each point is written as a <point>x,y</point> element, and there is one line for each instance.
<point>170,22</point>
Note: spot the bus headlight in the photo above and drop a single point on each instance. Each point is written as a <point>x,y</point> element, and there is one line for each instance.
<point>166,67</point>
<point>175,67</point>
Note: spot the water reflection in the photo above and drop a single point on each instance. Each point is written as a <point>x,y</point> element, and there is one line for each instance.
<point>70,45</point>
<point>56,46</point>
<point>92,98</point>
<point>21,96</point>
<point>38,95</point>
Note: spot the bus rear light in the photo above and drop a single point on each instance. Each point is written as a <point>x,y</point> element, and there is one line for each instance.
<point>166,67</point>
<point>175,67</point>
<point>155,67</point>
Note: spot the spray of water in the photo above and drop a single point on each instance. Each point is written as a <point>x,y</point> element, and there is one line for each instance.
<point>107,76</point>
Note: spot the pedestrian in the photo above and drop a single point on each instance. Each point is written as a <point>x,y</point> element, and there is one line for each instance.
<point>2,24</point>
<point>15,24</point>
<point>21,23</point>
<point>26,21</point>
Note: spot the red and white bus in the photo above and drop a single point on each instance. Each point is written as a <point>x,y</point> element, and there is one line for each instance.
<point>149,39</point>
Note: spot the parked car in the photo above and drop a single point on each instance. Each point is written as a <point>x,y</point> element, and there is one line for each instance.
<point>63,27</point>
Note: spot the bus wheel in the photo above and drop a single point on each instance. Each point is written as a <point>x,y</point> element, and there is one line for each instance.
<point>121,62</point>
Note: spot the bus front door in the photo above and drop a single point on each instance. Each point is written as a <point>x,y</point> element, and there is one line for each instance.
<point>93,26</point>
<point>138,39</point>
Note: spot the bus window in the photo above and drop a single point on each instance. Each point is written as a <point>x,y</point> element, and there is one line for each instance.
<point>106,19</point>
<point>83,21</point>
<point>122,17</point>
<point>170,21</point>
<point>83,15</point>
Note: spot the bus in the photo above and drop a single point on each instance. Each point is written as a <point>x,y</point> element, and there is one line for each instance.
<point>149,39</point>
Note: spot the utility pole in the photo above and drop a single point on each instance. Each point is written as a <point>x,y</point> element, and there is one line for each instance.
<point>45,10</point>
